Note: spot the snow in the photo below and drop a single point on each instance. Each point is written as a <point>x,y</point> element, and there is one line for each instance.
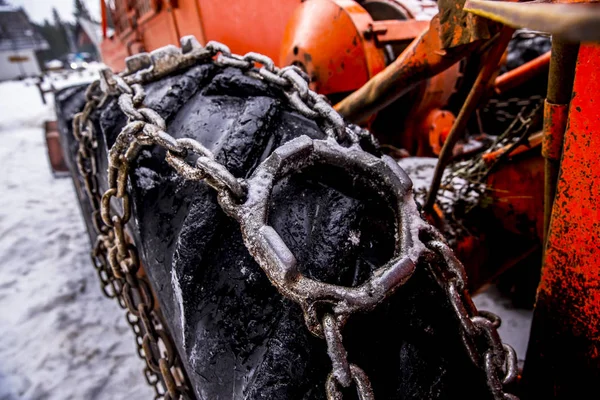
<point>61,339</point>
<point>421,169</point>
<point>422,10</point>
<point>516,322</point>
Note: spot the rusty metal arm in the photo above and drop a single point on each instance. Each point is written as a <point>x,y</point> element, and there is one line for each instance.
<point>573,22</point>
<point>522,74</point>
<point>473,100</point>
<point>560,89</point>
<point>423,58</point>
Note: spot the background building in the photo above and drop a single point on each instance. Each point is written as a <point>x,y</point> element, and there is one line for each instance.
<point>19,42</point>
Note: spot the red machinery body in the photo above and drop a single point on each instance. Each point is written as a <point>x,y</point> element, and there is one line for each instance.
<point>145,25</point>
<point>341,45</point>
<point>566,327</point>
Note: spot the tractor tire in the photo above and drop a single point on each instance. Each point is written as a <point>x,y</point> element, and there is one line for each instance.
<point>68,102</point>
<point>237,336</point>
<point>524,47</point>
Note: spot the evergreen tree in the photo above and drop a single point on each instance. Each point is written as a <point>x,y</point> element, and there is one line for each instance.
<point>81,10</point>
<point>58,36</point>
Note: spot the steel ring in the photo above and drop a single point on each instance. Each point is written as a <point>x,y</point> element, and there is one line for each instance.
<point>278,262</point>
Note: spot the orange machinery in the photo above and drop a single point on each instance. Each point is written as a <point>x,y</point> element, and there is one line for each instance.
<point>347,47</point>
<point>341,44</point>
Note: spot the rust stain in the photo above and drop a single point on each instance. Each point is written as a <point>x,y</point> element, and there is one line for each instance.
<point>570,284</point>
<point>459,27</point>
<point>555,123</point>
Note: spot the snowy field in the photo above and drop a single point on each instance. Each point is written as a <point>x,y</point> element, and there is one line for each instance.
<point>59,337</point>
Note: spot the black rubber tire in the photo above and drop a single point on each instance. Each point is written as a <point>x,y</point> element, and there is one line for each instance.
<point>238,337</point>
<point>67,102</point>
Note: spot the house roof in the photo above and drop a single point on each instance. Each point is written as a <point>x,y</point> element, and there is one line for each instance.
<point>93,30</point>
<point>17,32</point>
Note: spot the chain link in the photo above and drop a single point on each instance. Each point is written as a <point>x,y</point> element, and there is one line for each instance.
<point>478,329</point>
<point>117,261</point>
<point>113,256</point>
<point>508,110</point>
<point>343,373</point>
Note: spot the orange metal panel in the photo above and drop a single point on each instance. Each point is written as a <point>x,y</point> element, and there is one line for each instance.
<point>575,224</point>
<point>247,25</point>
<point>563,360</point>
<point>189,19</point>
<point>326,39</point>
<point>516,192</point>
<point>244,25</point>
<point>113,53</point>
<point>158,31</point>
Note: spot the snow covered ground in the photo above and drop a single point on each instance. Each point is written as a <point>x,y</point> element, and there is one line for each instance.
<point>59,337</point>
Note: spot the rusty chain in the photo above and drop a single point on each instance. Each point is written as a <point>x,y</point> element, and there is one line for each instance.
<point>117,264</point>
<point>478,329</point>
<point>507,110</point>
<point>326,307</point>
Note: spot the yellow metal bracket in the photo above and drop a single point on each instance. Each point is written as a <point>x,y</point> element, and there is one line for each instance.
<point>577,22</point>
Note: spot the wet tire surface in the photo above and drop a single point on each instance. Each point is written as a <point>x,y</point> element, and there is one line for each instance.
<point>238,337</point>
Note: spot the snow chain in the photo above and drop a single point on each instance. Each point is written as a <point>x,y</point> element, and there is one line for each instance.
<point>326,307</point>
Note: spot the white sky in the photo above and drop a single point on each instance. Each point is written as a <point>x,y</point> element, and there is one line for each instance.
<point>38,10</point>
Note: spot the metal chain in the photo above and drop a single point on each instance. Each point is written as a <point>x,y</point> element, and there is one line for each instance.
<point>117,264</point>
<point>478,329</point>
<point>343,373</point>
<point>504,110</point>
<point>146,127</point>
<point>326,307</point>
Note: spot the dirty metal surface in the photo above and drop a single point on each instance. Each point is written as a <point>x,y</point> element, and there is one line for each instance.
<point>459,27</point>
<point>573,22</point>
<point>563,359</point>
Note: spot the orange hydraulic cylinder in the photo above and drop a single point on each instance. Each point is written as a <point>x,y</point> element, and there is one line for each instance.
<point>327,38</point>
<point>522,74</point>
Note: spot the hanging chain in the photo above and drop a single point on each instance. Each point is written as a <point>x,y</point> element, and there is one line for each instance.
<point>478,329</point>
<point>326,307</point>
<point>117,263</point>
